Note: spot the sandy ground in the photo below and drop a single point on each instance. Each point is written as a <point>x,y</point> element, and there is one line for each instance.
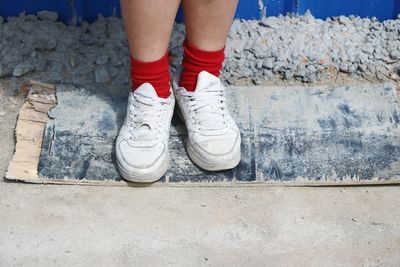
<point>9,107</point>
<point>265,226</point>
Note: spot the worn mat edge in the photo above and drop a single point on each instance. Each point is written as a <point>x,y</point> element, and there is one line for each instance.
<point>299,183</point>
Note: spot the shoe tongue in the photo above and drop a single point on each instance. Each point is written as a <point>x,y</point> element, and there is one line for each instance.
<point>204,79</point>
<point>146,90</point>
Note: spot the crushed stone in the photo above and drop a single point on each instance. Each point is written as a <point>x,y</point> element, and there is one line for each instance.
<point>48,15</point>
<point>289,48</point>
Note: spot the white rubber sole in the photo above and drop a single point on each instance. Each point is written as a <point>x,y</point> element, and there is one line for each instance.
<point>229,162</point>
<point>149,175</point>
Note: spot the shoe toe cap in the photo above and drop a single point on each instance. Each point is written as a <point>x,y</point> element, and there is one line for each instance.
<point>137,157</point>
<point>218,145</point>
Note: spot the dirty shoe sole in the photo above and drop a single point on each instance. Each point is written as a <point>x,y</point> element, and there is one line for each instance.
<point>149,175</point>
<point>229,162</point>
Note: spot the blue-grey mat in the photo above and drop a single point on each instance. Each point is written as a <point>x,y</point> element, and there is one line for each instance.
<point>290,135</point>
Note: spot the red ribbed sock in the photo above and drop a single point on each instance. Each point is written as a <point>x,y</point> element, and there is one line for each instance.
<point>197,60</point>
<point>156,73</point>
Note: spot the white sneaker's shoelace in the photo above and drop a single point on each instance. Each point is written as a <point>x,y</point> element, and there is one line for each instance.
<point>207,108</point>
<point>145,118</point>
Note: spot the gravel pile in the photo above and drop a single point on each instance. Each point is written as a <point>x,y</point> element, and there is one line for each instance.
<point>286,47</point>
<point>303,48</point>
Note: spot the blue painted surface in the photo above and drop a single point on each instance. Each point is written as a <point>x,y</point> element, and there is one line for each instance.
<point>382,9</point>
<point>72,11</point>
<point>13,8</point>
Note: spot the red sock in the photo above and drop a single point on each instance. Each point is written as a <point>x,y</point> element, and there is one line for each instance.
<point>156,73</point>
<point>197,60</point>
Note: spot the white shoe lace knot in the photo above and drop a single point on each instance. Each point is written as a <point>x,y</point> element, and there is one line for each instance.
<point>207,108</point>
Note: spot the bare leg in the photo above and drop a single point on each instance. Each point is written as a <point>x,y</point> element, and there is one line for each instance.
<point>208,22</point>
<point>213,140</point>
<point>148,24</point>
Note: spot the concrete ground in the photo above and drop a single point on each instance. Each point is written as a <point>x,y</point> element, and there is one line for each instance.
<point>49,225</point>
<point>52,225</point>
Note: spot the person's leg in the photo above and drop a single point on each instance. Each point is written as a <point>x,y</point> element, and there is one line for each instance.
<point>149,24</point>
<point>208,22</point>
<point>142,143</point>
<point>207,26</point>
<point>213,136</point>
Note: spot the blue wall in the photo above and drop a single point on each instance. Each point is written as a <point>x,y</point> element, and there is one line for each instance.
<point>76,10</point>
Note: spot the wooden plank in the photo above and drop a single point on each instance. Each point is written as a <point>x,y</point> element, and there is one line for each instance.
<point>41,99</point>
<point>29,130</point>
<point>22,169</point>
<point>42,107</point>
<point>43,85</point>
<point>31,123</point>
<point>28,113</point>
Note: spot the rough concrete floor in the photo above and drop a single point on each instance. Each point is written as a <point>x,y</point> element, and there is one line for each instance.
<point>114,226</point>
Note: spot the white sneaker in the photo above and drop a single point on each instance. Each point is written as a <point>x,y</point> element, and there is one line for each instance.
<point>213,136</point>
<point>142,143</point>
